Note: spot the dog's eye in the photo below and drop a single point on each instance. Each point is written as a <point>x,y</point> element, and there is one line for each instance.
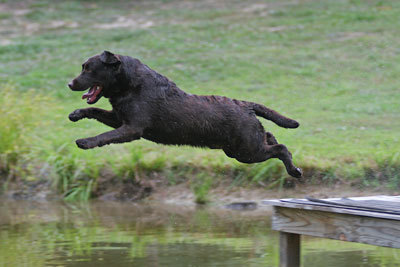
<point>85,67</point>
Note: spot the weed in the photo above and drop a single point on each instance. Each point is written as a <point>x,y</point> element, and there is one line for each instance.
<point>20,113</point>
<point>201,186</point>
<point>128,166</point>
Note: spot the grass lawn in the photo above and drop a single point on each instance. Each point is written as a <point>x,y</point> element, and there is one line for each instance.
<point>331,65</point>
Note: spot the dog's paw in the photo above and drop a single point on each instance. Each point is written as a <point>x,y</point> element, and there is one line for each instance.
<point>85,143</point>
<point>76,115</point>
<point>296,172</point>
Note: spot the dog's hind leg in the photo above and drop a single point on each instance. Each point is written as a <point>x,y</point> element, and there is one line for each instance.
<point>279,151</point>
<point>270,138</point>
<point>286,158</point>
<point>109,118</point>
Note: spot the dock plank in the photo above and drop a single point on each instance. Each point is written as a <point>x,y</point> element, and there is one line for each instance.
<point>345,227</point>
<point>361,211</point>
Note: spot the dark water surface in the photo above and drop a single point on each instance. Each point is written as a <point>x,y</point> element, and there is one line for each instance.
<point>124,234</point>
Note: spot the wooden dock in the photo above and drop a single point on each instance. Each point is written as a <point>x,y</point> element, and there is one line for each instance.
<point>371,220</point>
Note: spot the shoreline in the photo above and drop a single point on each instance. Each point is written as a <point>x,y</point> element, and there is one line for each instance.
<point>152,190</point>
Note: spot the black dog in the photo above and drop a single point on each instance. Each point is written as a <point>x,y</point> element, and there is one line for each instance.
<point>149,105</point>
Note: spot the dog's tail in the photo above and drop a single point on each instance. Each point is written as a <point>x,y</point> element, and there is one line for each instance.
<point>274,116</point>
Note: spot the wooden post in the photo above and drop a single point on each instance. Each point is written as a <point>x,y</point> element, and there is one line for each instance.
<point>289,250</point>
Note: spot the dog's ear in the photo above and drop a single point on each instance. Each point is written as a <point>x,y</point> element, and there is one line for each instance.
<point>109,58</point>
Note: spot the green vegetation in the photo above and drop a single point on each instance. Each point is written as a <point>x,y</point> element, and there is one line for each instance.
<point>332,65</point>
<point>201,187</point>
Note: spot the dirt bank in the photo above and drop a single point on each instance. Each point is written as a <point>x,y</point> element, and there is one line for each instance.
<point>128,190</point>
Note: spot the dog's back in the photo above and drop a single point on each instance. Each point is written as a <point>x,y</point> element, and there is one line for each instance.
<point>205,121</point>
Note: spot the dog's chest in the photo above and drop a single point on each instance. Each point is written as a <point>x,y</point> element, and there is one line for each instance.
<point>126,109</point>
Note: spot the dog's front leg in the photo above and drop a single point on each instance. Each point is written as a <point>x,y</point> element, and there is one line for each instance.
<point>109,118</point>
<point>121,135</point>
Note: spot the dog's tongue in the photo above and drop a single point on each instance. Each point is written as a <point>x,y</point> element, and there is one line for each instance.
<point>88,93</point>
<point>92,94</point>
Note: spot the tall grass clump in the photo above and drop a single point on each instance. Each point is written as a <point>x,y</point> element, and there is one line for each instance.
<point>201,187</point>
<point>19,113</point>
<point>137,161</point>
<point>71,177</point>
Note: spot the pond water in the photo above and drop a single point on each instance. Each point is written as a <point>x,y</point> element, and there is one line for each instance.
<point>125,234</point>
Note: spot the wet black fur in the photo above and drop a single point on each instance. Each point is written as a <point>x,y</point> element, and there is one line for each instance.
<point>149,105</point>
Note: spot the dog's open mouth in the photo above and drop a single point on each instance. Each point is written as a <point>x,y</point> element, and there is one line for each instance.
<point>93,95</point>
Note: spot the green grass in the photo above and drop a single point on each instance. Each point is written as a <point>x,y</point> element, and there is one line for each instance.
<point>201,187</point>
<point>332,65</point>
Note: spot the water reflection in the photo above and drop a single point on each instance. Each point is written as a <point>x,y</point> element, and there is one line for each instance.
<point>125,234</point>
<point>120,234</point>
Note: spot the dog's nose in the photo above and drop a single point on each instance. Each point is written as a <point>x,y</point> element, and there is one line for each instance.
<point>70,84</point>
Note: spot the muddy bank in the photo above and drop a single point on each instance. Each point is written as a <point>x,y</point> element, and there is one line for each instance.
<point>158,190</point>
<point>223,195</point>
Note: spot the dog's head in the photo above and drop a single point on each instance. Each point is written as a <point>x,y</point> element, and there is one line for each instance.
<point>99,75</point>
